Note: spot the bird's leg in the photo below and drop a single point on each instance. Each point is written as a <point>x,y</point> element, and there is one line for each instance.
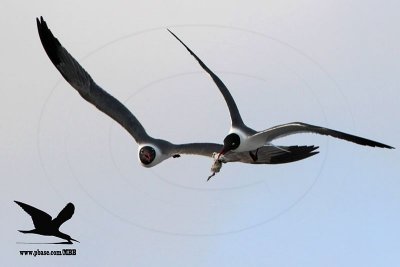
<point>254,156</point>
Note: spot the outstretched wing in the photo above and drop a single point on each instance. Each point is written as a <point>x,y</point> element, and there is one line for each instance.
<point>265,155</point>
<point>233,110</point>
<point>79,79</point>
<point>202,149</point>
<point>273,154</point>
<point>299,127</point>
<point>39,217</point>
<point>64,215</point>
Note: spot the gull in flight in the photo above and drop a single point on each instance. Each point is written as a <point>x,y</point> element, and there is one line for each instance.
<point>151,151</point>
<point>243,139</point>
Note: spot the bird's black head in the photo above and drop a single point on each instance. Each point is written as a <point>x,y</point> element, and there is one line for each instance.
<point>231,142</point>
<point>147,154</point>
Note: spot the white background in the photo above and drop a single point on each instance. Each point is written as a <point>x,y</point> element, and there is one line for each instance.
<point>329,63</point>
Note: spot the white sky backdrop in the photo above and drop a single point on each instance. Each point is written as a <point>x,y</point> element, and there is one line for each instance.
<point>330,63</point>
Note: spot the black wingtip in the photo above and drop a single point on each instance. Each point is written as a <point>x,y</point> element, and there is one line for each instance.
<point>49,42</point>
<point>296,153</point>
<point>172,33</point>
<point>187,48</point>
<point>376,144</point>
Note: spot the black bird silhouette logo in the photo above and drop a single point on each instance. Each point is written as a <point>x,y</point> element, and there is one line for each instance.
<point>45,225</point>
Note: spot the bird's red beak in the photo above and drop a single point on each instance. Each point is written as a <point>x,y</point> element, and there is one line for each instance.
<point>221,153</point>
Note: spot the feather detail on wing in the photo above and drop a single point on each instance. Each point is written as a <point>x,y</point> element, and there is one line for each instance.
<point>273,154</point>
<point>79,79</point>
<point>299,127</point>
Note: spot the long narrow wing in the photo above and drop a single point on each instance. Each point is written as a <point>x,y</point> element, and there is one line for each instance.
<point>299,127</point>
<point>64,215</point>
<point>202,149</point>
<point>266,154</point>
<point>39,217</point>
<point>233,110</point>
<point>273,154</point>
<point>79,79</point>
